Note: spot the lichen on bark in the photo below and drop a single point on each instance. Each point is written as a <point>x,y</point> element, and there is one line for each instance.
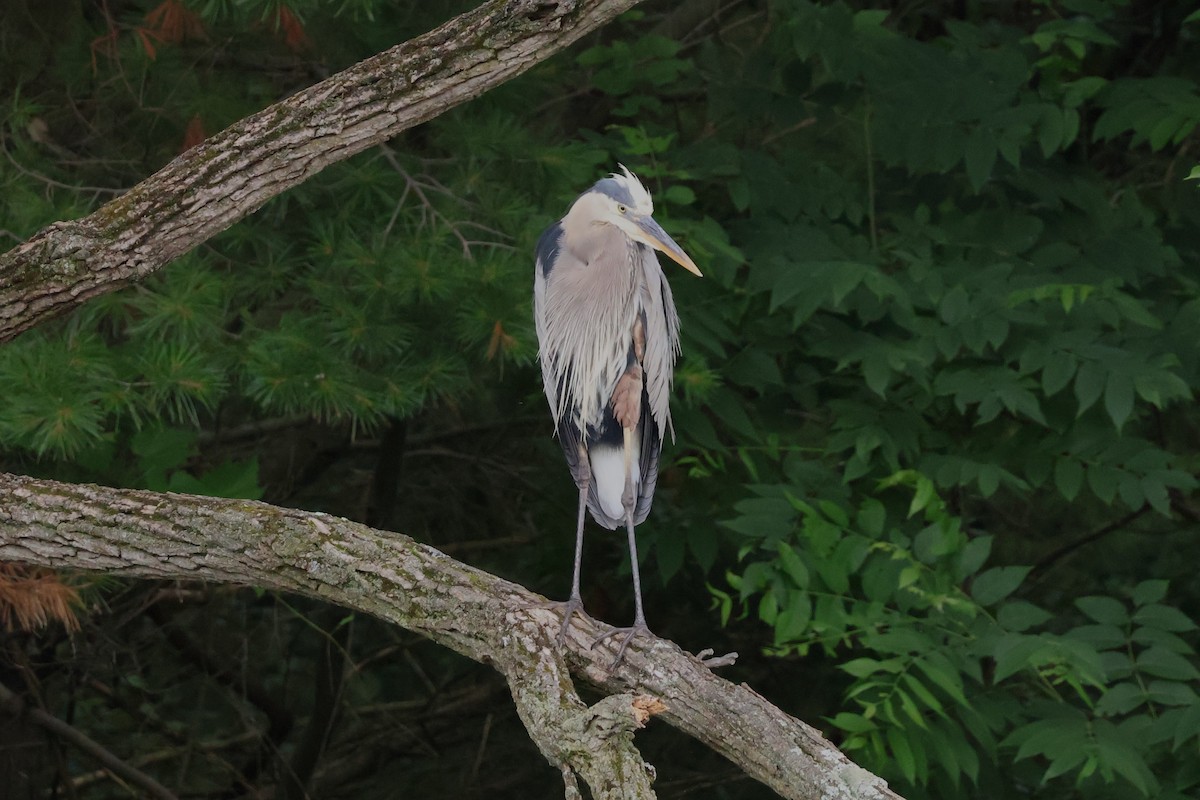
<point>486,618</point>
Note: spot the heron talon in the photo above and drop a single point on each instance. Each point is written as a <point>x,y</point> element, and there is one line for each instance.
<point>569,608</point>
<point>626,635</point>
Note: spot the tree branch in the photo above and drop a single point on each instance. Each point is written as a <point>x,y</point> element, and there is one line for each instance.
<point>233,173</point>
<point>12,705</point>
<point>156,535</point>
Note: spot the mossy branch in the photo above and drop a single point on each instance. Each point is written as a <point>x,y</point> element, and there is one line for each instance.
<point>236,171</point>
<point>156,535</point>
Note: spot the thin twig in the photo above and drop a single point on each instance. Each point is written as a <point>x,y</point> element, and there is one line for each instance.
<point>15,707</point>
<point>420,187</point>
<point>430,686</point>
<point>483,740</point>
<point>1045,562</point>
<point>46,179</point>
<point>166,754</point>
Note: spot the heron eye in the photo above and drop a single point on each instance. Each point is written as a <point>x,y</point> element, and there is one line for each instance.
<point>621,209</point>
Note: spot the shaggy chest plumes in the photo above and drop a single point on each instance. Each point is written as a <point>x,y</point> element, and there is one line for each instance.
<point>590,310</point>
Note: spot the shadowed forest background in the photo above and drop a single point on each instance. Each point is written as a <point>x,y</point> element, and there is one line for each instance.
<point>936,456</point>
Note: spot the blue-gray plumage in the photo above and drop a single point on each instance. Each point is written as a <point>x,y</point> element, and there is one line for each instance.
<point>608,336</point>
<point>616,188</point>
<point>547,248</point>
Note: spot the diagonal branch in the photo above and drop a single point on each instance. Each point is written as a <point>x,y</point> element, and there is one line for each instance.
<point>488,619</point>
<point>231,175</point>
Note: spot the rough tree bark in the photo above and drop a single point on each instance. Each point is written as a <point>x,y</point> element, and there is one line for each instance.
<point>232,174</point>
<point>145,534</point>
<point>155,535</point>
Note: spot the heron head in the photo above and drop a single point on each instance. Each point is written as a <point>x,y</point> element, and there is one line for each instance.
<point>622,200</point>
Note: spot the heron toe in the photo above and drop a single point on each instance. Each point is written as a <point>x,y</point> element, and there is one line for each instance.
<point>573,605</point>
<point>626,635</point>
<point>569,607</point>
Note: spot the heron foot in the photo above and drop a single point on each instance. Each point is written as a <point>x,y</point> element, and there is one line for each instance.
<point>626,635</point>
<point>569,607</point>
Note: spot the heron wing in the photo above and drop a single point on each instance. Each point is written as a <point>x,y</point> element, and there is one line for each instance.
<point>662,339</point>
<point>546,257</point>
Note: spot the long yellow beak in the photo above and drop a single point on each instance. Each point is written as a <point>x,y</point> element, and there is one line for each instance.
<point>657,238</point>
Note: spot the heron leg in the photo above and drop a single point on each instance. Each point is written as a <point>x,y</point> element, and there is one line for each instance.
<point>575,601</point>
<point>574,604</point>
<point>629,501</point>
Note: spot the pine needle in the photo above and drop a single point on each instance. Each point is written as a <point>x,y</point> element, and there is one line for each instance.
<point>32,597</point>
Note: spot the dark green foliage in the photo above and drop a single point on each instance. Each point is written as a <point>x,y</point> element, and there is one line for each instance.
<point>937,451</point>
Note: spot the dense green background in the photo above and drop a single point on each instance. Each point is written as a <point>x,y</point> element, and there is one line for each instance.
<point>935,471</point>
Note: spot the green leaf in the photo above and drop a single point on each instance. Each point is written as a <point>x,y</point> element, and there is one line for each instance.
<point>863,667</point>
<point>1104,610</point>
<point>1172,693</point>
<point>232,479</point>
<point>910,708</point>
<point>1100,637</point>
<point>1089,385</point>
<point>995,584</point>
<point>726,406</point>
<point>1019,616</point>
<point>160,449</point>
<point>1188,725</point>
<point>1059,369</point>
<point>679,195</point>
<point>974,555</point>
<point>1102,480</point>
<point>877,373</point>
<point>870,18</point>
<point>853,723</point>
<point>872,516</point>
<point>955,306</point>
<point>1013,653</point>
<point>1068,476</point>
<point>980,157</point>
<point>1120,699</point>
<point>944,675</point>
<point>703,542</point>
<point>1051,128</point>
<point>793,619</point>
<point>1163,618</point>
<point>927,697</point>
<point>1163,663</point>
<point>739,193</point>
<point>1058,737</point>
<point>1121,755</point>
<point>1150,636</point>
<point>925,494</point>
<point>902,753</point>
<point>793,565</point>
<point>989,479</point>
<point>1118,397</point>
<point>1150,592</point>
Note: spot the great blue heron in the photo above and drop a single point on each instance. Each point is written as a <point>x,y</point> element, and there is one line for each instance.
<point>608,336</point>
